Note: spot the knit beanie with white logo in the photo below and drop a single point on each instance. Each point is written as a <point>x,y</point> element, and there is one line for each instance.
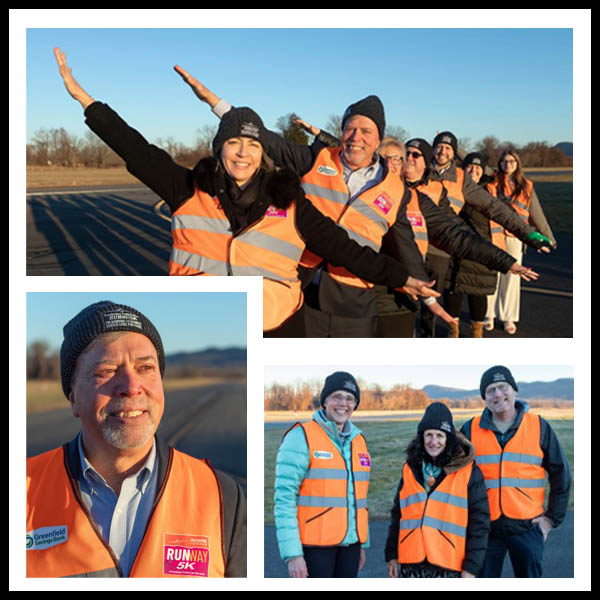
<point>494,375</point>
<point>239,122</point>
<point>437,416</point>
<point>370,107</point>
<point>96,319</point>
<point>340,380</point>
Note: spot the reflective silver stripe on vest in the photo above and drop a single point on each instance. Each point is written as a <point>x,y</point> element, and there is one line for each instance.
<point>413,499</point>
<point>198,262</point>
<point>255,271</point>
<point>410,523</point>
<point>201,224</point>
<point>326,474</point>
<point>361,503</point>
<point>449,499</point>
<point>359,239</point>
<point>322,502</point>
<point>110,572</point>
<point>325,193</point>
<point>361,475</point>
<point>492,459</point>
<point>420,235</point>
<point>494,484</point>
<point>445,526</point>
<point>273,244</point>
<point>456,202</point>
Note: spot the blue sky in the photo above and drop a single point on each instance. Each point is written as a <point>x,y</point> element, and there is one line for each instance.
<point>185,321</point>
<point>515,84</point>
<point>418,376</point>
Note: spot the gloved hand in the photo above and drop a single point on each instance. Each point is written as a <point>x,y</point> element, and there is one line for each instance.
<point>540,242</point>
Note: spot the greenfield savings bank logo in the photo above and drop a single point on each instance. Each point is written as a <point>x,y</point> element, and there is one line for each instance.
<point>46,537</point>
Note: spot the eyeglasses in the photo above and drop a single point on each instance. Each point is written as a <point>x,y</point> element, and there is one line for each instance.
<point>413,154</point>
<point>397,158</point>
<point>509,162</point>
<point>492,389</point>
<point>342,399</point>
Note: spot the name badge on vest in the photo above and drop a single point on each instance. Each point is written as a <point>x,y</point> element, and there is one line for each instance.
<point>186,555</point>
<point>322,454</point>
<point>276,212</point>
<point>365,459</point>
<point>415,218</point>
<point>384,203</point>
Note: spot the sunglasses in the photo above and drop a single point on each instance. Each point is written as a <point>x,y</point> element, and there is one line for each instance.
<point>413,154</point>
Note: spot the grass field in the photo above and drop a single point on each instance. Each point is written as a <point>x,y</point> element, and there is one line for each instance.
<point>387,443</point>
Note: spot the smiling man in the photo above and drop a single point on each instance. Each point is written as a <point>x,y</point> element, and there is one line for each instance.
<point>515,449</point>
<point>115,501</point>
<point>321,483</point>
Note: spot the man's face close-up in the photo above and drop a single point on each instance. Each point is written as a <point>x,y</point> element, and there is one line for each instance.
<point>500,398</point>
<point>117,392</point>
<point>360,140</point>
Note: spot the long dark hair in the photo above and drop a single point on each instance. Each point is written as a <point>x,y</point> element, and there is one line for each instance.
<point>517,179</point>
<point>416,453</point>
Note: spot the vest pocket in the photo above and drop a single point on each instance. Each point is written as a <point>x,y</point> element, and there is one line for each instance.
<point>448,540</point>
<point>317,516</point>
<point>407,536</point>
<point>524,493</point>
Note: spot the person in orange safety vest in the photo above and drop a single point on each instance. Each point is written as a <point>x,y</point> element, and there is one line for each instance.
<point>515,449</point>
<point>321,484</point>
<point>440,517</point>
<point>116,501</point>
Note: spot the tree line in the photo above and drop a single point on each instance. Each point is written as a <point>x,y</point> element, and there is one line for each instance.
<point>57,147</point>
<point>305,396</point>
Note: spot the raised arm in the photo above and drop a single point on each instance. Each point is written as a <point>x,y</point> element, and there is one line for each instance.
<point>199,89</point>
<point>74,89</point>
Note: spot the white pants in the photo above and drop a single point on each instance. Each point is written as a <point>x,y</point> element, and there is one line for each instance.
<point>505,303</point>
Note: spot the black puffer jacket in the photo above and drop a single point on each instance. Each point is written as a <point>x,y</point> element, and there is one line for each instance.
<point>466,276</point>
<point>478,525</point>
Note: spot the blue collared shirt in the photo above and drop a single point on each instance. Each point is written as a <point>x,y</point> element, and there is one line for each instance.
<point>120,519</point>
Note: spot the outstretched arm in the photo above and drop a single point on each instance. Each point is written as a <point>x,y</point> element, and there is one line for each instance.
<point>70,82</point>
<point>198,88</point>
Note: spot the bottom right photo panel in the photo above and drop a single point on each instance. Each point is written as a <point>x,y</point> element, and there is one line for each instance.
<point>419,471</point>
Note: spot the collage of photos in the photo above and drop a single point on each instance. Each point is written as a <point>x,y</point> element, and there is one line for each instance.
<point>372,375</point>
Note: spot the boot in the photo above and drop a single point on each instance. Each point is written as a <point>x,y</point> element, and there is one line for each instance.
<point>454,328</point>
<point>477,329</point>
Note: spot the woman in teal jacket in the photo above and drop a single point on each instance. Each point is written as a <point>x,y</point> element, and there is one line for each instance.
<point>339,398</point>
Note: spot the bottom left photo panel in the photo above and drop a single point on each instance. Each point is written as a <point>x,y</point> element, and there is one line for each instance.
<point>136,434</point>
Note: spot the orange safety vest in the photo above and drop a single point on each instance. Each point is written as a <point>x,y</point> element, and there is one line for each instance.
<point>514,477</point>
<point>417,223</point>
<point>184,534</point>
<point>323,495</point>
<point>434,527</point>
<point>204,245</point>
<point>366,219</point>
<point>455,190</point>
<point>519,203</point>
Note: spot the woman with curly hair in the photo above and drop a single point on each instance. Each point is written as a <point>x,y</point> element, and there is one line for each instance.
<point>512,187</point>
<point>440,519</point>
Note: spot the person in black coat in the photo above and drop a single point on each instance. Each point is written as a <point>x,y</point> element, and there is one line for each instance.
<point>466,277</point>
<point>437,451</point>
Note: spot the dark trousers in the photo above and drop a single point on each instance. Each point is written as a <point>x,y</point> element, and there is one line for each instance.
<point>321,324</point>
<point>437,269</point>
<point>332,561</point>
<point>526,552</point>
<point>477,305</point>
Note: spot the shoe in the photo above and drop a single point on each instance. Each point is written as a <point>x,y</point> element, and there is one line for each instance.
<point>488,324</point>
<point>454,328</point>
<point>477,329</point>
<point>510,327</point>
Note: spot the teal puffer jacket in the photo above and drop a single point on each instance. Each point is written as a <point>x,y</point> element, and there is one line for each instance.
<point>290,470</point>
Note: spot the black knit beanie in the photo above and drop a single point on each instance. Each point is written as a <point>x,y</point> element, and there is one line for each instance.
<point>340,380</point>
<point>370,107</point>
<point>437,416</point>
<point>446,137</point>
<point>474,158</point>
<point>494,375</point>
<point>423,146</point>
<point>238,122</point>
<point>96,319</point>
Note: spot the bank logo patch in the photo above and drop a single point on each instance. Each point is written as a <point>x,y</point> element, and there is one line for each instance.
<point>384,203</point>
<point>329,171</point>
<point>276,212</point>
<point>322,454</point>
<point>186,555</point>
<point>46,537</point>
<point>415,218</point>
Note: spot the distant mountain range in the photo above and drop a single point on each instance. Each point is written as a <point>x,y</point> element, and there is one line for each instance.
<point>561,389</point>
<point>566,147</point>
<point>210,357</point>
